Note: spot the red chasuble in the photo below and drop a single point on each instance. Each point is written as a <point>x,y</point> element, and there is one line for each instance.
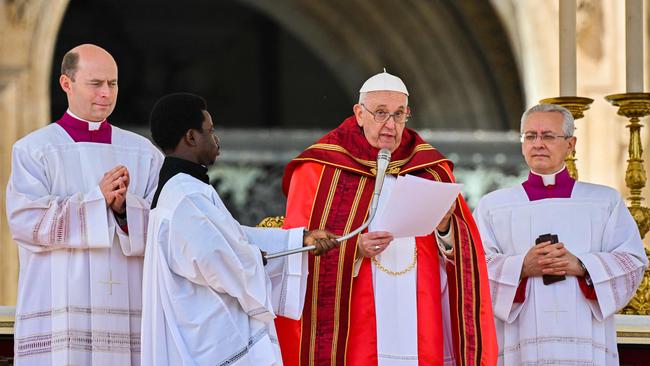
<point>329,186</point>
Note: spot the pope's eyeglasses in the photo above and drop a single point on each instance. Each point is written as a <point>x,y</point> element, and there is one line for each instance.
<point>382,116</point>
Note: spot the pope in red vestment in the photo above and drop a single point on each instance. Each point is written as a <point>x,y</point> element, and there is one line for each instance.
<point>329,186</point>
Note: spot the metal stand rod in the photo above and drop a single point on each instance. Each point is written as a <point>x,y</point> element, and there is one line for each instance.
<point>373,210</point>
<point>289,252</point>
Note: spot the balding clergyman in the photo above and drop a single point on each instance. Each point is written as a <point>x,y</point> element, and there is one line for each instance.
<point>78,202</point>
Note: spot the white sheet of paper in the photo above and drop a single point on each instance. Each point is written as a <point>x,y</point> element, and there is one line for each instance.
<point>416,206</point>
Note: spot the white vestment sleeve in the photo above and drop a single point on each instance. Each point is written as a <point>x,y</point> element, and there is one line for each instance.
<point>211,249</point>
<point>137,213</point>
<point>288,274</point>
<point>618,269</point>
<point>40,221</point>
<point>504,271</point>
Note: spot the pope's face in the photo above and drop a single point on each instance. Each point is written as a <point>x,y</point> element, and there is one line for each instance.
<point>92,91</point>
<point>545,157</point>
<point>382,135</point>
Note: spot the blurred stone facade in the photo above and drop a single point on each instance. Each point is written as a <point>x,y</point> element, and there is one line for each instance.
<point>471,66</point>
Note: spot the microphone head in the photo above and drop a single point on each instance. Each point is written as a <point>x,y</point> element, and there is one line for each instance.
<point>384,154</point>
<point>383,158</point>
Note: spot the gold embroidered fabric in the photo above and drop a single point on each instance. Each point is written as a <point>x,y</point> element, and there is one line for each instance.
<point>272,221</point>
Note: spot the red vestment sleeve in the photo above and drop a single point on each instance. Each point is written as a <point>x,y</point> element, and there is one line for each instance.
<point>520,295</point>
<point>300,200</point>
<point>588,290</point>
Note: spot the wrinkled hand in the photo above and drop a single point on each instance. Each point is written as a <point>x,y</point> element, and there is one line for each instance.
<point>373,243</point>
<point>323,241</point>
<point>443,226</point>
<point>562,262</point>
<point>113,186</point>
<point>531,266</point>
<point>550,259</point>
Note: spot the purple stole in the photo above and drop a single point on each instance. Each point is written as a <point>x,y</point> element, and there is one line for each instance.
<point>562,188</point>
<point>78,130</point>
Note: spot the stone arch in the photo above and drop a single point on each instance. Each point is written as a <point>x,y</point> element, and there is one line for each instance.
<point>454,56</point>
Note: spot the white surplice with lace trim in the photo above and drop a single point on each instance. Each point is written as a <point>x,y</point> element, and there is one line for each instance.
<point>79,291</point>
<point>556,323</point>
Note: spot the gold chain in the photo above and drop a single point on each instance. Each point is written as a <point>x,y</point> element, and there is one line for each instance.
<point>398,273</point>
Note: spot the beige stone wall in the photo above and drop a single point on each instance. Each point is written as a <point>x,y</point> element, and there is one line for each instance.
<point>8,251</point>
<point>28,30</point>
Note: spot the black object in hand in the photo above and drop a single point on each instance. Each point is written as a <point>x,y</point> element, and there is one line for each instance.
<point>264,260</point>
<point>549,279</point>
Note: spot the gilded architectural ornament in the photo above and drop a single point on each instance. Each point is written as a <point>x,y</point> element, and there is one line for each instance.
<point>577,106</point>
<point>634,106</point>
<point>272,221</point>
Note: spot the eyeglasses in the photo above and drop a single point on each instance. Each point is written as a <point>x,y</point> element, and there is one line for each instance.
<point>382,116</point>
<point>530,137</point>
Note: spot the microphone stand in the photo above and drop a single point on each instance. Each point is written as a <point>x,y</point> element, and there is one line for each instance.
<point>383,158</point>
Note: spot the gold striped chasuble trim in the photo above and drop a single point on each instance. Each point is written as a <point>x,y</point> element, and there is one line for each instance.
<point>314,307</point>
<point>369,163</point>
<point>348,226</point>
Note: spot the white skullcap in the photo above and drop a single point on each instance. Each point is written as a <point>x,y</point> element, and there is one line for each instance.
<point>384,81</point>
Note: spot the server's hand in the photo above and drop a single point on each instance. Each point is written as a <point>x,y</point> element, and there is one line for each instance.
<point>323,241</point>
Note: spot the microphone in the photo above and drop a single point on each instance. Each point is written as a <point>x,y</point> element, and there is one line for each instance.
<point>383,158</point>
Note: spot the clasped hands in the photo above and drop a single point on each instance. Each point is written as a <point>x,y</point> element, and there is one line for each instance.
<point>113,185</point>
<point>551,259</point>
